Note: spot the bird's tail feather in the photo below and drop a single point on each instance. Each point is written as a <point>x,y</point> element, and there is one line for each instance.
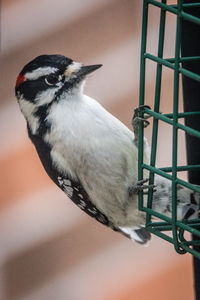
<point>138,234</point>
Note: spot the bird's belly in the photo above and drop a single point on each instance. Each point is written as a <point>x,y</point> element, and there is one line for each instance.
<point>105,171</point>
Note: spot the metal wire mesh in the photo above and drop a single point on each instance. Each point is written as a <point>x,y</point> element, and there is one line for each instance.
<point>168,228</point>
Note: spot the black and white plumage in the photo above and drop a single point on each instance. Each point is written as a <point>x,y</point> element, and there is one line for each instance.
<point>85,150</point>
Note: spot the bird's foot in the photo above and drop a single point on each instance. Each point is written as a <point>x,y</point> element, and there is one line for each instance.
<point>136,120</point>
<point>140,186</point>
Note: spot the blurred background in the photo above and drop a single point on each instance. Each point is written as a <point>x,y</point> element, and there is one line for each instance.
<point>50,249</point>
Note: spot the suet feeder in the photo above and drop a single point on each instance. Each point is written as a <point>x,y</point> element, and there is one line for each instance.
<point>169,228</point>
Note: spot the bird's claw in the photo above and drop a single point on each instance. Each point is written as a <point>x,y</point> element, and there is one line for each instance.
<point>139,109</point>
<point>136,120</point>
<point>140,186</point>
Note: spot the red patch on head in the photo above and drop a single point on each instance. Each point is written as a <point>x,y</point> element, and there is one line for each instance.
<point>21,78</point>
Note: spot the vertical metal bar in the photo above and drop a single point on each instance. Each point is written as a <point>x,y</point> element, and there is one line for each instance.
<point>175,129</point>
<point>156,103</point>
<point>142,96</point>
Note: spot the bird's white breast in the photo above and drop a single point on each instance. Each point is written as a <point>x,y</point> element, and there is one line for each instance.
<point>80,126</point>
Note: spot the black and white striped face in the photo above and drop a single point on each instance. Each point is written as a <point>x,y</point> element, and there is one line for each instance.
<point>45,78</point>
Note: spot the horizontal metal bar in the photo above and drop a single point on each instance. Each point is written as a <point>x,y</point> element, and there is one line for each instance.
<point>183,114</point>
<point>189,74</point>
<point>157,171</point>
<point>169,228</point>
<point>192,243</point>
<point>189,58</point>
<point>159,60</point>
<point>155,224</point>
<point>188,228</point>
<point>190,18</point>
<point>158,116</point>
<point>162,227</point>
<point>189,130</point>
<point>188,185</point>
<point>167,63</point>
<point>181,168</point>
<point>186,5</point>
<point>194,222</point>
<point>168,176</point>
<point>169,121</point>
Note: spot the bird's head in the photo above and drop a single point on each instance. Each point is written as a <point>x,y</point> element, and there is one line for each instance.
<point>46,78</point>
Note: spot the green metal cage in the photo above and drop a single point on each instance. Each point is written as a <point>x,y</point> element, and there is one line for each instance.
<point>167,228</point>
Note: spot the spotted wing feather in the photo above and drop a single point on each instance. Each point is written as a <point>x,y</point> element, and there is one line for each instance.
<point>78,195</point>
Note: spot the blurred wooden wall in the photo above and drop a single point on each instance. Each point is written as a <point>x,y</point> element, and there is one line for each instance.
<point>49,249</point>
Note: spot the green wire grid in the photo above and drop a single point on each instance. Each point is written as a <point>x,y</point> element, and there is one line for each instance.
<point>167,228</point>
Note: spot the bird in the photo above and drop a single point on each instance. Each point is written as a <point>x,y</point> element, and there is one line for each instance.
<point>86,151</point>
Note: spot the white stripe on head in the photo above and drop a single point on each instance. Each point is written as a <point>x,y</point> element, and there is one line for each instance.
<point>73,68</point>
<point>42,71</point>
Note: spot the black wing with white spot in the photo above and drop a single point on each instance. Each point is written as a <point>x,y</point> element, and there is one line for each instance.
<point>78,195</point>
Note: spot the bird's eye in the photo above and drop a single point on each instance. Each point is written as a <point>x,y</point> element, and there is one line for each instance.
<point>52,79</point>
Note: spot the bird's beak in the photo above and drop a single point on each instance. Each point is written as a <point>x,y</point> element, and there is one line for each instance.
<point>85,70</point>
<point>77,70</point>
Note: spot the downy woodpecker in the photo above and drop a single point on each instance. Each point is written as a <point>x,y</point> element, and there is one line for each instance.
<point>85,150</point>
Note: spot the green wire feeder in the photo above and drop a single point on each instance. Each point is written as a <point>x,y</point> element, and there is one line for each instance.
<point>167,228</point>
